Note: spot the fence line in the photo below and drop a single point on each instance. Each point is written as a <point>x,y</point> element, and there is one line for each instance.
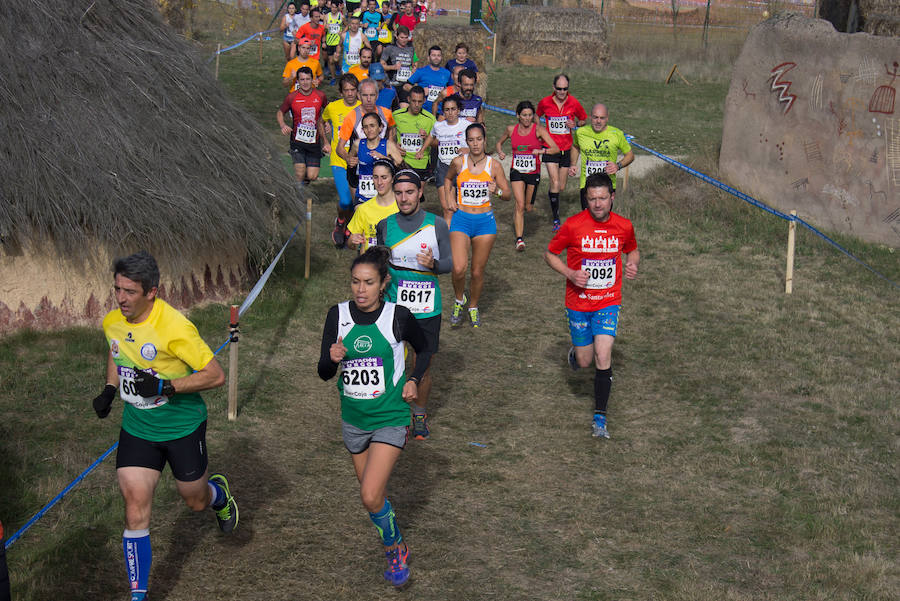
<point>251,297</point>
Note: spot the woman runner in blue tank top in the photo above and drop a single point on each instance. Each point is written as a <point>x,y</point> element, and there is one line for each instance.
<point>369,150</point>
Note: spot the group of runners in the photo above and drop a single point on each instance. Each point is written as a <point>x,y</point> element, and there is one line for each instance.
<point>384,150</point>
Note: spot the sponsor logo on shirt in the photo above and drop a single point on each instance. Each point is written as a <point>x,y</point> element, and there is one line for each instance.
<point>363,344</point>
<point>114,348</point>
<point>148,352</point>
<point>600,244</point>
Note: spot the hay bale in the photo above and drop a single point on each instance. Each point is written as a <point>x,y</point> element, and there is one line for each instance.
<point>573,36</point>
<point>115,137</point>
<point>447,37</point>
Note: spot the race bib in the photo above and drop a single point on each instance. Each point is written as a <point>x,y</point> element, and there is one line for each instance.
<point>334,28</point>
<point>469,113</point>
<point>352,58</point>
<point>366,186</point>
<point>448,151</point>
<point>411,142</point>
<point>305,133</point>
<point>313,49</point>
<point>474,193</point>
<point>433,93</point>
<point>363,378</point>
<point>404,73</point>
<point>601,273</point>
<point>372,241</point>
<point>524,163</point>
<point>592,167</point>
<point>129,394</point>
<point>558,125</point>
<point>417,296</point>
<point>384,36</point>
<point>371,33</point>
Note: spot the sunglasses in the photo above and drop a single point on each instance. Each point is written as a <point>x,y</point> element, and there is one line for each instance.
<point>562,89</point>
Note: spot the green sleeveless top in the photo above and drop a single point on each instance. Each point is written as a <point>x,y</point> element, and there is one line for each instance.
<point>412,285</point>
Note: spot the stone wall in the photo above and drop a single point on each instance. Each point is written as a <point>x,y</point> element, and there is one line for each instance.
<point>812,123</point>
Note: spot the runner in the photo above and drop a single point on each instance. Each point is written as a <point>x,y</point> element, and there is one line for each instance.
<point>470,104</point>
<point>413,125</point>
<point>334,25</point>
<point>387,95</point>
<point>447,92</point>
<point>420,250</point>
<point>371,22</point>
<point>461,59</point>
<point>368,214</point>
<point>364,337</point>
<point>407,17</point>
<point>353,41</point>
<point>314,31</point>
<point>526,138</point>
<point>303,59</point>
<point>563,113</point>
<point>159,364</point>
<point>333,116</point>
<point>598,244</point>
<point>599,146</point>
<point>365,151</point>
<point>398,59</point>
<point>386,30</point>
<point>289,27</point>
<point>302,18</point>
<point>449,136</point>
<point>361,71</point>
<point>306,106</point>
<point>476,176</point>
<point>432,77</point>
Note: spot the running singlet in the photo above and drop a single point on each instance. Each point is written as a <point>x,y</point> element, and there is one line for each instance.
<point>558,118</point>
<point>371,380</point>
<point>366,217</point>
<point>599,149</point>
<point>595,247</point>
<point>353,122</point>
<point>333,25</point>
<point>409,138</point>
<point>366,188</point>
<point>450,139</point>
<point>305,112</point>
<point>524,160</point>
<point>352,46</point>
<point>472,191</point>
<point>167,345</point>
<point>334,113</point>
<point>412,285</point>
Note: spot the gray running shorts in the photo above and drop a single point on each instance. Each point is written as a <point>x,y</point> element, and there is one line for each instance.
<point>357,440</point>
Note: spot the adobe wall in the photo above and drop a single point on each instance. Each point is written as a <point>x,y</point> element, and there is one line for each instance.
<point>812,123</point>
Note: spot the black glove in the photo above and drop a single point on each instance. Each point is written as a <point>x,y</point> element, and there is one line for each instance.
<point>146,384</point>
<point>103,402</point>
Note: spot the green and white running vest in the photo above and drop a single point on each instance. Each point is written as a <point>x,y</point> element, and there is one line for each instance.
<point>415,287</point>
<point>372,372</point>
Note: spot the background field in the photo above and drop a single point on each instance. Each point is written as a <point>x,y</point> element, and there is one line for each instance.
<point>754,435</point>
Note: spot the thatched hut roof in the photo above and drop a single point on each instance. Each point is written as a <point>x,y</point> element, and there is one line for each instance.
<point>114,133</point>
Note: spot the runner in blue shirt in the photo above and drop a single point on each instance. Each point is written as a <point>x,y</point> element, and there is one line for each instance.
<point>432,77</point>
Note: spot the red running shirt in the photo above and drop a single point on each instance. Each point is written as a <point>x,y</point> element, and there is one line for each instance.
<point>595,247</point>
<point>524,160</point>
<point>305,112</point>
<point>557,118</point>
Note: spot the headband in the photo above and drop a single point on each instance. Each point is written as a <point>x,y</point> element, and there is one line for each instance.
<point>408,176</point>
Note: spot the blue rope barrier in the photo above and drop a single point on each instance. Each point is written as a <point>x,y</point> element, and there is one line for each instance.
<point>241,43</point>
<point>483,24</point>
<point>251,297</point>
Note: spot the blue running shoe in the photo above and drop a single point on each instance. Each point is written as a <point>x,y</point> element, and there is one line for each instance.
<point>398,572</point>
<point>420,427</point>
<point>598,426</point>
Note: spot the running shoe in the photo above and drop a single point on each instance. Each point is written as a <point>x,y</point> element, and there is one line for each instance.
<point>556,225</point>
<point>572,362</point>
<point>520,244</point>
<point>474,317</point>
<point>420,427</point>
<point>339,233</point>
<point>456,316</point>
<point>397,572</point>
<point>598,426</point>
<point>228,515</point>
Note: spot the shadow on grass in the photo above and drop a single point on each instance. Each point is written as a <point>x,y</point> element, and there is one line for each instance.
<point>414,479</point>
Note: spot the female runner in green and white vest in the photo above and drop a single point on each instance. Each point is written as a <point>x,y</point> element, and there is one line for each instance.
<point>364,338</point>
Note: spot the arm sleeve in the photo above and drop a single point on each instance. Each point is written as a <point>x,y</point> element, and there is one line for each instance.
<point>580,113</point>
<point>380,232</point>
<point>445,263</point>
<point>327,368</point>
<point>407,328</point>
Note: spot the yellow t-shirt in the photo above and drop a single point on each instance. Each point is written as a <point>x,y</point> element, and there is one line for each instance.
<point>169,345</point>
<point>335,113</point>
<point>367,216</point>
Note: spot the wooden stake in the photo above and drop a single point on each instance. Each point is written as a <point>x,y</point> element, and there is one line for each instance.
<point>218,50</point>
<point>494,49</point>
<point>308,235</point>
<point>671,73</point>
<point>233,332</point>
<point>260,48</point>
<point>789,272</point>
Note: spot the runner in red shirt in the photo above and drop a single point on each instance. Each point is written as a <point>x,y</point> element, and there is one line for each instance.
<point>563,113</point>
<point>407,17</point>
<point>306,106</point>
<point>600,246</point>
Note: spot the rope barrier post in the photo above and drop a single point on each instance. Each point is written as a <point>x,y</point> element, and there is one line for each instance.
<point>308,235</point>
<point>494,49</point>
<point>218,51</point>
<point>671,73</point>
<point>233,333</point>
<point>789,272</point>
<point>260,47</point>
